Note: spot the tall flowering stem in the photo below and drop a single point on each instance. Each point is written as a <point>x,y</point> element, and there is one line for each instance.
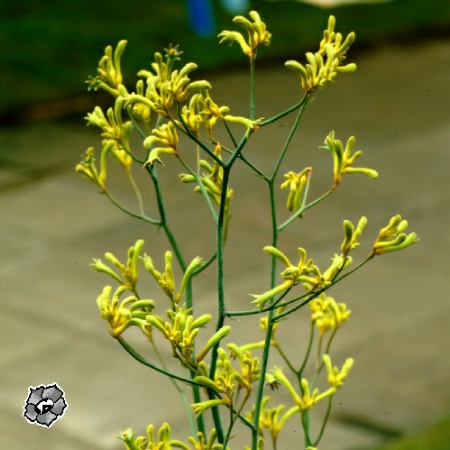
<point>226,382</point>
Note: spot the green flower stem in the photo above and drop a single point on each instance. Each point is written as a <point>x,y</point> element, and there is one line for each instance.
<point>284,356</point>
<point>261,381</point>
<point>325,421</point>
<point>305,208</point>
<point>289,139</point>
<point>185,129</point>
<point>137,192</point>
<point>270,315</point>
<point>205,266</point>
<point>234,415</point>
<point>188,291</point>
<point>130,213</point>
<point>299,372</point>
<point>246,161</point>
<point>143,361</point>
<point>220,290</point>
<point>305,425</point>
<point>316,294</point>
<point>182,392</point>
<point>227,127</point>
<point>202,189</point>
<point>302,103</point>
<point>252,85</point>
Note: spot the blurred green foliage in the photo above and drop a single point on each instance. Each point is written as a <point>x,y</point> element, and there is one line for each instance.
<point>50,47</point>
<point>435,437</point>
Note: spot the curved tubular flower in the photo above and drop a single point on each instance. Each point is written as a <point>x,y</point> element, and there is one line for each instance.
<point>181,87</point>
<point>326,314</point>
<point>130,311</point>
<point>336,377</point>
<point>166,136</point>
<point>166,280</point>
<point>109,71</point>
<point>202,110</point>
<point>391,238</point>
<point>296,183</point>
<point>129,271</point>
<point>88,169</point>
<point>181,331</point>
<point>307,400</point>
<point>352,235</point>
<point>324,65</point>
<point>163,439</point>
<point>201,407</point>
<point>116,133</point>
<point>257,34</point>
<point>343,158</point>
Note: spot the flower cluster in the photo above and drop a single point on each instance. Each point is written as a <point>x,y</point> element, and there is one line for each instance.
<point>324,65</point>
<point>166,110</point>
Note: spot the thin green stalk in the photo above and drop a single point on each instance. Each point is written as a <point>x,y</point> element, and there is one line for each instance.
<point>325,421</point>
<point>299,372</point>
<point>305,425</point>
<point>270,322</point>
<point>261,382</point>
<point>220,291</point>
<point>130,213</point>
<point>185,129</point>
<point>202,189</point>
<point>182,392</point>
<point>137,192</point>
<point>252,86</point>
<point>288,140</point>
<point>304,208</point>
<point>205,266</point>
<point>143,361</point>
<point>315,294</point>
<point>188,291</point>
<point>284,356</point>
<point>303,102</point>
<point>227,127</point>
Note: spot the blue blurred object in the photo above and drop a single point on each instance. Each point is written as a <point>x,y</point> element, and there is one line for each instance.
<point>201,17</point>
<point>235,6</point>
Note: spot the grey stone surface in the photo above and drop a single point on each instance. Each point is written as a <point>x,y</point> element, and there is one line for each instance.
<point>53,223</point>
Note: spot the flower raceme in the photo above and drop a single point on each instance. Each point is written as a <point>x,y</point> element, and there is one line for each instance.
<point>165,105</point>
<point>392,237</point>
<point>109,71</point>
<point>343,158</point>
<point>324,65</point>
<point>257,34</point>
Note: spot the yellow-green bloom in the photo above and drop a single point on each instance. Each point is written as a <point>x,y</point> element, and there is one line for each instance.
<point>109,71</point>
<point>326,314</point>
<point>324,65</point>
<point>88,169</point>
<point>343,158</point>
<point>392,238</point>
<point>257,34</point>
<point>122,314</point>
<point>296,183</point>
<point>308,399</point>
<point>336,377</point>
<point>166,139</point>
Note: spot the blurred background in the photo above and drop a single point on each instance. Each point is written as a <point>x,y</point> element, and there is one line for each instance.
<point>53,222</point>
<point>50,48</point>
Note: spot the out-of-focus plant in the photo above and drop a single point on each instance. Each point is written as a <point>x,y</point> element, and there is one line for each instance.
<point>229,382</point>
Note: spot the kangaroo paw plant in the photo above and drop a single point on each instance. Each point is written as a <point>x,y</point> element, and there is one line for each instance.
<point>228,387</point>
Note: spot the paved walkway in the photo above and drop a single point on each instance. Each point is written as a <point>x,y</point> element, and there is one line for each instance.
<point>53,223</point>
